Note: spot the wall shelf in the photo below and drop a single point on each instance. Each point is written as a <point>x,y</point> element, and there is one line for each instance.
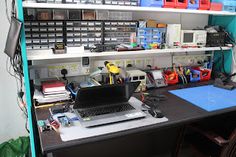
<point>48,54</point>
<point>123,8</point>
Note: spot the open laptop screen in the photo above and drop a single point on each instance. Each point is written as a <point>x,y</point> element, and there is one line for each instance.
<point>105,95</point>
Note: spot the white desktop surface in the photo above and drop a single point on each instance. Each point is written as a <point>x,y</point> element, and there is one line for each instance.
<point>76,131</point>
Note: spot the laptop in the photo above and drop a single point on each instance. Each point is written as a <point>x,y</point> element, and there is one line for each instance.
<point>106,104</point>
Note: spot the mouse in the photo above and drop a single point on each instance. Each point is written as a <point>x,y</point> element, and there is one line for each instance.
<point>155,113</point>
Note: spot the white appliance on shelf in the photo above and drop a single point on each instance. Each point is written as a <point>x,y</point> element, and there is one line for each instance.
<point>173,35</point>
<point>193,38</point>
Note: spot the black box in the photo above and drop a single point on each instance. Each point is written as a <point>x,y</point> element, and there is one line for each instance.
<point>216,39</point>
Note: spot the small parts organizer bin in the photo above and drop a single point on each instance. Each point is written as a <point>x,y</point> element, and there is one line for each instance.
<point>228,5</point>
<point>118,32</point>
<point>122,2</point>
<point>147,36</point>
<point>169,3</point>
<point>151,3</point>
<point>181,4</point>
<point>216,6</point>
<point>205,74</point>
<point>171,77</point>
<point>84,1</point>
<point>204,4</point>
<point>193,4</point>
<point>43,34</point>
<point>195,75</point>
<point>85,33</point>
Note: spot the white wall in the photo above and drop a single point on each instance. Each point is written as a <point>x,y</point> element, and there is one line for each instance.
<point>12,120</point>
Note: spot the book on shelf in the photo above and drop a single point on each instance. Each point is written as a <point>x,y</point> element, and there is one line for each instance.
<point>53,87</point>
<point>42,98</point>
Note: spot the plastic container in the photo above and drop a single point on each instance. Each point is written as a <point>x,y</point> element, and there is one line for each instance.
<point>151,3</point>
<point>204,5</point>
<point>193,4</point>
<point>148,36</point>
<point>169,3</point>
<point>195,75</point>
<point>171,77</point>
<point>216,6</point>
<point>205,74</point>
<point>228,5</point>
<point>144,31</point>
<point>181,4</point>
<point>122,2</point>
<point>118,15</point>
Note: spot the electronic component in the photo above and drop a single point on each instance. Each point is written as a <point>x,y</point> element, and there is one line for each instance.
<point>216,39</point>
<point>85,65</point>
<point>155,78</point>
<point>155,113</point>
<point>44,125</point>
<point>64,120</point>
<point>173,35</point>
<point>137,75</point>
<point>97,48</point>
<point>59,48</point>
<point>193,38</point>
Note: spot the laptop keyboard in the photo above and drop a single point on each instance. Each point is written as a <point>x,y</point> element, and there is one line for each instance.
<point>105,110</point>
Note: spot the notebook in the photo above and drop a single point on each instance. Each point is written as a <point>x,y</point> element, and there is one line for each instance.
<point>106,104</point>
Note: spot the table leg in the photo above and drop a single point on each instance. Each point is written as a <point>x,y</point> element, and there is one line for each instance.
<point>179,142</point>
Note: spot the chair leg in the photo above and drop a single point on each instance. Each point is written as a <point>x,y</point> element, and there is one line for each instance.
<point>179,142</point>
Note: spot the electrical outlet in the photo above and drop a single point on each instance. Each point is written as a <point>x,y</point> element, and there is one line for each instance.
<point>148,61</point>
<point>99,63</point>
<point>139,63</point>
<point>128,62</point>
<point>54,70</point>
<point>73,69</point>
<point>119,63</point>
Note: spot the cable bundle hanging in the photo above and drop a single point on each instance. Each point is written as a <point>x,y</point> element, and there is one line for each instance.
<point>14,65</point>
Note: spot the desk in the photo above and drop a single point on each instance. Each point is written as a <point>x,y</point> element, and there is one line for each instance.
<point>178,111</point>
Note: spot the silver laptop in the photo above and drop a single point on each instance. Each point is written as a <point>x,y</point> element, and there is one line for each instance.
<point>106,104</point>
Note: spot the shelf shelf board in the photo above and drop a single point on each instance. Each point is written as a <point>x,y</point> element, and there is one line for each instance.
<point>48,54</point>
<point>123,8</point>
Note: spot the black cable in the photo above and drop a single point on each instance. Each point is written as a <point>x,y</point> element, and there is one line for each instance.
<point>26,126</point>
<point>17,67</point>
<point>222,60</point>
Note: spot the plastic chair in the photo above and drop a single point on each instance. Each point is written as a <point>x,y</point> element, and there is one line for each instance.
<point>211,143</point>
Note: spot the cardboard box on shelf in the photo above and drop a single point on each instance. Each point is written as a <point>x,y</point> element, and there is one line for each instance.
<point>151,24</point>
